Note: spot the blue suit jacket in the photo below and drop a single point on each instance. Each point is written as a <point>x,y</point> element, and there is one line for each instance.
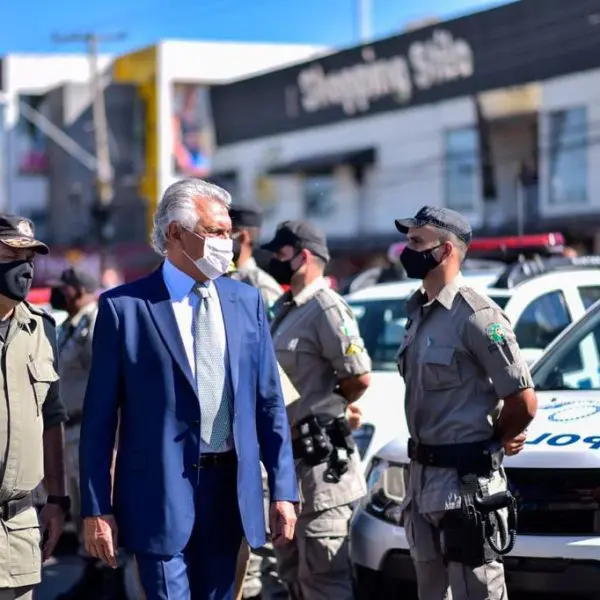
<point>140,369</point>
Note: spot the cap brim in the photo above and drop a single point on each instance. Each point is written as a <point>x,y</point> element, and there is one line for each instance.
<point>273,246</point>
<point>20,243</point>
<point>403,225</point>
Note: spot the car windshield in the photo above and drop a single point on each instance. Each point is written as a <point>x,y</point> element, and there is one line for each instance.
<point>574,362</point>
<point>382,326</point>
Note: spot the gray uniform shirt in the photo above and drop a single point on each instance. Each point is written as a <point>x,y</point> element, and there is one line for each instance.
<point>75,356</point>
<point>253,275</point>
<point>459,358</point>
<point>317,343</point>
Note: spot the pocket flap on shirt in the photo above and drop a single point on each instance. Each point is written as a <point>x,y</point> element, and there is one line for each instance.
<point>42,371</point>
<point>28,519</point>
<point>439,355</point>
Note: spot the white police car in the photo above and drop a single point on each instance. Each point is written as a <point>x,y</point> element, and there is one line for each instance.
<point>556,480</point>
<point>540,297</point>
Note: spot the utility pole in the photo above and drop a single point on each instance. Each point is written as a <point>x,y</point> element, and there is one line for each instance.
<point>364,12</point>
<point>104,187</point>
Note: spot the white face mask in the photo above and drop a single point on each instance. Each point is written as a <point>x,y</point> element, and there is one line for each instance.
<point>218,253</point>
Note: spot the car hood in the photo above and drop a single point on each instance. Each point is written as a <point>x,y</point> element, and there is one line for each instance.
<point>564,434</point>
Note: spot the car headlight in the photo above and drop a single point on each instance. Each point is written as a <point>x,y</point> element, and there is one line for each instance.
<point>362,437</point>
<point>386,488</point>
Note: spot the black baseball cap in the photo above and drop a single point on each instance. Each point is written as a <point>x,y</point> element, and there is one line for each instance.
<point>245,216</point>
<point>77,278</point>
<point>19,232</point>
<point>302,236</point>
<point>442,218</point>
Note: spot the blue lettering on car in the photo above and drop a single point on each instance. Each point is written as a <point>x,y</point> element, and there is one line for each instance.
<point>565,439</point>
<point>571,410</point>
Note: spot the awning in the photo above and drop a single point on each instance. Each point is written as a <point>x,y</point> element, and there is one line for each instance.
<point>325,163</point>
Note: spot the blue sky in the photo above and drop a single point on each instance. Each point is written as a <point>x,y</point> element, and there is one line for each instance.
<point>28,26</point>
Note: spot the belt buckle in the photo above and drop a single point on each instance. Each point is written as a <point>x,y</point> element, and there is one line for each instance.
<point>209,460</point>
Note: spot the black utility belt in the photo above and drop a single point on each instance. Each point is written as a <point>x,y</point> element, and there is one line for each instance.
<point>12,508</point>
<point>472,457</point>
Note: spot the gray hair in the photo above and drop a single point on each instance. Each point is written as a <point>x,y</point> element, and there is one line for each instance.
<point>178,205</point>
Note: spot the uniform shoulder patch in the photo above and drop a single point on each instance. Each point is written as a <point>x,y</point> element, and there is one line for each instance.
<point>353,350</point>
<point>474,299</point>
<point>496,333</point>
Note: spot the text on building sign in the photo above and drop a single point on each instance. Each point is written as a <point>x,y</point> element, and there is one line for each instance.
<point>428,64</point>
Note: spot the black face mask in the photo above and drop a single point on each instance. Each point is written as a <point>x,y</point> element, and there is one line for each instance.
<point>419,264</point>
<point>58,300</point>
<point>281,270</point>
<point>237,249</point>
<point>16,278</point>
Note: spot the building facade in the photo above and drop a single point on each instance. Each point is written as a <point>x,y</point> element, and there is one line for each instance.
<point>493,114</point>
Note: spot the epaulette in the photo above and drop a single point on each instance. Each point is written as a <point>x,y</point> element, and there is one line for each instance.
<point>40,312</point>
<point>474,299</point>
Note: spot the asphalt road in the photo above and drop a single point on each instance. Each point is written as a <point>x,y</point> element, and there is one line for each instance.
<point>61,574</point>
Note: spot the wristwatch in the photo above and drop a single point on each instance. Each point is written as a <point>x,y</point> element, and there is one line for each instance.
<point>63,501</point>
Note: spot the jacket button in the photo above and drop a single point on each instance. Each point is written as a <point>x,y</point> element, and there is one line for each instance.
<point>194,466</point>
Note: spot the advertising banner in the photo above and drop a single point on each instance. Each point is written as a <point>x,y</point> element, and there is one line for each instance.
<point>193,144</point>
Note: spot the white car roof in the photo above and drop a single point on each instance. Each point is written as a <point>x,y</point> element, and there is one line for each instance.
<point>403,289</point>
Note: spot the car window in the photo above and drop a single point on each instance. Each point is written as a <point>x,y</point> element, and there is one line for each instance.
<point>575,362</point>
<point>542,320</point>
<point>501,301</point>
<point>382,327</point>
<point>589,294</point>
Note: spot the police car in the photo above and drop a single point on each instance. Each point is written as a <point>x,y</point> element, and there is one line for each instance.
<point>555,479</point>
<point>541,298</point>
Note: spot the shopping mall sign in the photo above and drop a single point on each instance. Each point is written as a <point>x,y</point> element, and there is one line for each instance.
<point>433,62</point>
<point>498,48</point>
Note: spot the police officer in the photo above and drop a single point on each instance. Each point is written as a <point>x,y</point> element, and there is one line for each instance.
<point>246,222</point>
<point>318,345</point>
<point>31,418</point>
<point>459,358</point>
<point>75,292</point>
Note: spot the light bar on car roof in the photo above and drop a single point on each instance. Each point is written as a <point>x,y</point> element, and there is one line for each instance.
<point>524,270</point>
<point>518,242</point>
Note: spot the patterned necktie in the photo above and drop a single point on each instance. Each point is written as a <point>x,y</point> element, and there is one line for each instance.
<point>211,381</point>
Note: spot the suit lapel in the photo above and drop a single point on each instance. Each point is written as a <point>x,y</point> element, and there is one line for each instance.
<point>161,310</point>
<point>227,298</point>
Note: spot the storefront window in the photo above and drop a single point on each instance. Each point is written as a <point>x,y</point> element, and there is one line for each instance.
<point>319,195</point>
<point>568,149</point>
<point>461,150</point>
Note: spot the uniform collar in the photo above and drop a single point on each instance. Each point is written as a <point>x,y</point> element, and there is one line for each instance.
<point>249,265</point>
<point>310,291</point>
<point>445,296</point>
<point>86,310</point>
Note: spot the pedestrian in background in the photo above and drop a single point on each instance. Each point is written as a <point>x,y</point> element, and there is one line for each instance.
<point>186,355</point>
<point>246,222</point>
<point>31,418</point>
<point>319,347</point>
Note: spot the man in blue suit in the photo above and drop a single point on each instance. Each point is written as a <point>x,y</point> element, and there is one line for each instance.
<point>184,369</point>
